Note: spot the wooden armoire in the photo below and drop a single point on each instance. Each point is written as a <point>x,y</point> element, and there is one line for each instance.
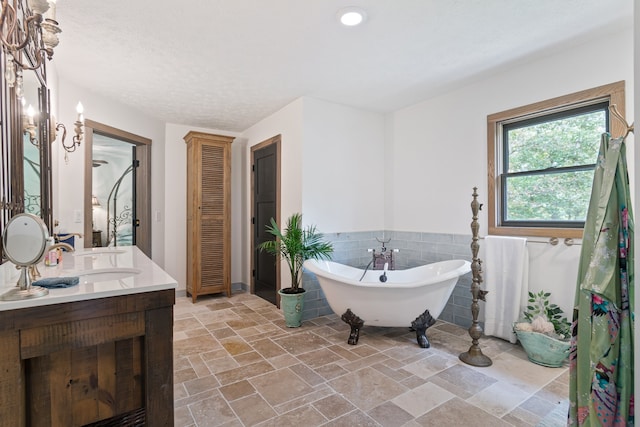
<point>208,214</point>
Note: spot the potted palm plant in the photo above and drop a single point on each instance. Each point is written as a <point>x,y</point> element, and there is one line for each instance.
<point>545,332</point>
<point>296,245</point>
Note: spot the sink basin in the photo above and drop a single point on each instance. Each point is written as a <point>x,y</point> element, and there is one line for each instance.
<point>101,251</point>
<point>104,274</point>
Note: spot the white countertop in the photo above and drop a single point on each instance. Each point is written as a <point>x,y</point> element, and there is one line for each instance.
<point>103,272</point>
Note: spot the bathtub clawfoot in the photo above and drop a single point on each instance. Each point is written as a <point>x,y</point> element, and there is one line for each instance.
<point>420,325</point>
<point>356,324</point>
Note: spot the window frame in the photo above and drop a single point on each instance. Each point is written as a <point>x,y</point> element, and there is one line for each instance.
<point>612,93</point>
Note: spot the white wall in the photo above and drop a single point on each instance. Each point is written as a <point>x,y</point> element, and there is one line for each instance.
<point>69,178</point>
<point>333,169</point>
<point>440,147</point>
<point>175,199</point>
<point>343,167</point>
<point>287,122</point>
<point>240,222</point>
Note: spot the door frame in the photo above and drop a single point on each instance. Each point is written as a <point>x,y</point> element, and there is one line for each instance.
<point>277,141</point>
<point>143,181</point>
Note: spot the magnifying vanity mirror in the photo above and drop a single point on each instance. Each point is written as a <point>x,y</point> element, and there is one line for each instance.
<point>25,240</point>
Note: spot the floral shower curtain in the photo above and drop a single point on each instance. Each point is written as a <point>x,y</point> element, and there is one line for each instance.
<point>601,355</point>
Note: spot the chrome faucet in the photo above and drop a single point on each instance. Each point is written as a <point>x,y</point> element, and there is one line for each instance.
<point>65,246</point>
<point>34,273</point>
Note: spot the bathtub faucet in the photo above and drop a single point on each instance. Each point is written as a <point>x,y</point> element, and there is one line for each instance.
<point>383,277</point>
<point>386,256</point>
<point>384,242</point>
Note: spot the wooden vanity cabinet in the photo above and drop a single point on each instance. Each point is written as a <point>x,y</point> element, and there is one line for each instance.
<point>208,214</point>
<point>106,361</point>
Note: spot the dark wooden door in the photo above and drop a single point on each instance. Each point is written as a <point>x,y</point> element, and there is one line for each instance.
<point>264,208</point>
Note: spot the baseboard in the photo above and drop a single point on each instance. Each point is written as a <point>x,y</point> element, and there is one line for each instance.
<point>239,286</point>
<point>235,287</point>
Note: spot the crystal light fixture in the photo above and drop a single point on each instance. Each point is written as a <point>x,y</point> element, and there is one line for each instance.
<point>35,34</point>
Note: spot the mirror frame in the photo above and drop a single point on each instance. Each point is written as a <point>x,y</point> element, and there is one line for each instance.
<point>44,138</point>
<point>11,139</point>
<point>43,124</point>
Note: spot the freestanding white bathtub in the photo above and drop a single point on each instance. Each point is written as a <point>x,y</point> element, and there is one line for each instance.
<point>414,297</point>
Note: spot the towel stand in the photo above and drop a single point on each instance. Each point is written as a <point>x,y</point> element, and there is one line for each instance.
<point>474,356</point>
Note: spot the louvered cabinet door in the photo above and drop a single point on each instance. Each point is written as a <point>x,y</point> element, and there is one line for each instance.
<point>208,214</point>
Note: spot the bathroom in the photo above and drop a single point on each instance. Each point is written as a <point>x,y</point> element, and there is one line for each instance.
<point>402,157</point>
<point>401,160</point>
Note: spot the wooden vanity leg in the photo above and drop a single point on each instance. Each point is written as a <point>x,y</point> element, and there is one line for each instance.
<point>420,325</point>
<point>356,324</point>
<point>159,366</point>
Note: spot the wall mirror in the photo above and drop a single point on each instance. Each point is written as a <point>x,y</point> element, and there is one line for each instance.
<point>25,150</point>
<point>36,147</point>
<point>30,106</point>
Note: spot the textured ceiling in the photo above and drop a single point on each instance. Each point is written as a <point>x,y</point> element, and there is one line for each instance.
<point>227,64</point>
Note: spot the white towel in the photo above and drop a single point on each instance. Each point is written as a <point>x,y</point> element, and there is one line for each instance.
<point>506,278</point>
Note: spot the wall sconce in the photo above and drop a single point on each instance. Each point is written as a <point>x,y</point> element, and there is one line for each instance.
<point>36,33</point>
<point>78,129</point>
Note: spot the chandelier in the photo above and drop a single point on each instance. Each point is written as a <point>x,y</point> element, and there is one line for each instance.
<point>28,34</point>
<point>31,31</point>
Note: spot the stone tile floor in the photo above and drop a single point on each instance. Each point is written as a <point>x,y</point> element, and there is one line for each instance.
<point>237,364</point>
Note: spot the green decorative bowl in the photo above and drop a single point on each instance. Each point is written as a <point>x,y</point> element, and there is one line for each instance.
<point>543,349</point>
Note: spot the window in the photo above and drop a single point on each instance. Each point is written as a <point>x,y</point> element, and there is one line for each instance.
<point>541,162</point>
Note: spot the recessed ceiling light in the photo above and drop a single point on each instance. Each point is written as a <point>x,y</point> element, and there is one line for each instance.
<point>351,16</point>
